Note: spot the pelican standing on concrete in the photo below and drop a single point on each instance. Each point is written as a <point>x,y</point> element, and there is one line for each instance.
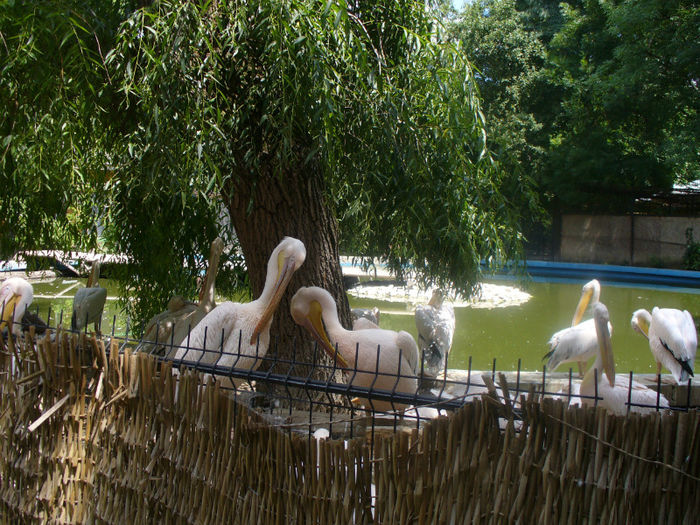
<point>435,323</point>
<point>375,358</point>
<point>578,342</point>
<point>89,302</point>
<point>614,391</point>
<point>672,339</point>
<point>16,294</point>
<point>235,334</point>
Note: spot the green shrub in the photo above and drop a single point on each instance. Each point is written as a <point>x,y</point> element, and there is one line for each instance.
<point>691,258</point>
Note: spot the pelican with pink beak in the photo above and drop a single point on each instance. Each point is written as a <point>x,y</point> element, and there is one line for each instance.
<point>238,334</point>
<point>373,358</point>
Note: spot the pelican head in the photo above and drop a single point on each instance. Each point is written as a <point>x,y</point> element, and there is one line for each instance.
<point>16,295</point>
<point>641,320</point>
<point>601,319</point>
<point>307,308</point>
<point>285,259</point>
<point>590,293</point>
<point>437,298</point>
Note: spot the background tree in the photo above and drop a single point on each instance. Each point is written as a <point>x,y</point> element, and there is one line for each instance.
<point>629,121</point>
<point>311,121</point>
<point>354,126</point>
<point>517,92</point>
<point>50,75</point>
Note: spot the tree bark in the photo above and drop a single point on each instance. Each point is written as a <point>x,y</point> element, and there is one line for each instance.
<point>265,211</point>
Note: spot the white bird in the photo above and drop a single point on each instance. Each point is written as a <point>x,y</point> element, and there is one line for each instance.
<point>16,294</point>
<point>168,328</point>
<point>89,302</point>
<point>435,323</point>
<point>613,391</point>
<point>672,339</point>
<point>373,358</point>
<point>236,334</point>
<point>579,341</point>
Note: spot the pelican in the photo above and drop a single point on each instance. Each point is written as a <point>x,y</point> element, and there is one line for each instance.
<point>16,295</point>
<point>89,302</point>
<point>235,334</point>
<point>614,391</point>
<point>578,342</point>
<point>374,358</point>
<point>672,339</point>
<point>181,316</point>
<point>435,323</point>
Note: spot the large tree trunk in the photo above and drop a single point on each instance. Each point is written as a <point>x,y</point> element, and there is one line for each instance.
<point>293,205</point>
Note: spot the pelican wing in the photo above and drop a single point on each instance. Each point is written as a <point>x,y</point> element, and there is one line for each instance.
<point>435,325</point>
<point>88,305</point>
<point>210,335</point>
<point>425,321</point>
<point>576,343</point>
<point>614,399</point>
<point>673,340</point>
<point>409,350</point>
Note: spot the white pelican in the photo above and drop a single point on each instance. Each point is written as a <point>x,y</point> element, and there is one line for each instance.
<point>16,295</point>
<point>172,326</point>
<point>435,323</point>
<point>614,391</point>
<point>89,302</point>
<point>235,334</point>
<point>672,339</point>
<point>579,341</point>
<point>374,358</point>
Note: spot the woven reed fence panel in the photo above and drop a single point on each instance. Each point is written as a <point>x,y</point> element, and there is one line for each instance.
<point>89,436</point>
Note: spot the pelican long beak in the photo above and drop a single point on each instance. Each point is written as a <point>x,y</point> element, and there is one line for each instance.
<point>641,325</point>
<point>605,347</point>
<point>9,310</point>
<point>313,322</point>
<point>582,305</point>
<point>285,265</point>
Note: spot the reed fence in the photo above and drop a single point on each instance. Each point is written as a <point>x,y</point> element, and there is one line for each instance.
<point>90,433</point>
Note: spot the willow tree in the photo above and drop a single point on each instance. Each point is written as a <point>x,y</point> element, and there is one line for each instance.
<point>352,126</point>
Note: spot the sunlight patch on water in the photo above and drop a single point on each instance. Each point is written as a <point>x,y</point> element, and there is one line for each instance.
<point>491,295</point>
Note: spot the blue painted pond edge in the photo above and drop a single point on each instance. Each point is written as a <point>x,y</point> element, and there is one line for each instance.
<point>610,272</point>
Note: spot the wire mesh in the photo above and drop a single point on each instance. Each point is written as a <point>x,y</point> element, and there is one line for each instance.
<point>143,445</point>
<point>272,385</point>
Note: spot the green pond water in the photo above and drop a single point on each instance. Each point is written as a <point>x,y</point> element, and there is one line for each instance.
<point>506,334</point>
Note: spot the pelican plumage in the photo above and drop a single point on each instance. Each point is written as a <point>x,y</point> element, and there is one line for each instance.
<point>579,341</point>
<point>89,302</point>
<point>672,338</point>
<point>374,358</point>
<point>613,391</point>
<point>435,322</point>
<point>171,326</point>
<point>16,294</point>
<point>238,334</point>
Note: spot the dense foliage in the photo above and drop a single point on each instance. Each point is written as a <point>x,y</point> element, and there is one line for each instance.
<point>175,105</point>
<point>610,90</point>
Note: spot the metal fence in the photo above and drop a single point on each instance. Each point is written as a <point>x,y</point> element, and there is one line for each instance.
<point>297,390</point>
<point>92,432</point>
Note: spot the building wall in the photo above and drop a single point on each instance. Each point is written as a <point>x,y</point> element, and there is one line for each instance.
<point>626,239</point>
